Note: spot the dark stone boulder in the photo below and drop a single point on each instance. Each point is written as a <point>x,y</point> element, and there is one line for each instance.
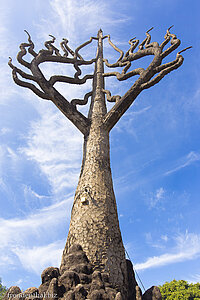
<point>131,280</point>
<point>69,280</point>
<point>11,292</point>
<point>47,275</point>
<point>97,282</point>
<point>80,292</point>
<point>98,295</point>
<point>84,278</point>
<point>85,268</point>
<point>152,294</point>
<point>31,293</point>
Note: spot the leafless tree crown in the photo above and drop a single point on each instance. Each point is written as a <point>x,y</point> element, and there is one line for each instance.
<point>148,77</point>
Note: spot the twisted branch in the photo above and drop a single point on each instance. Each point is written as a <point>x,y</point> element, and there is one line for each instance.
<point>84,101</point>
<point>52,54</point>
<point>146,76</point>
<point>111,98</point>
<point>25,83</point>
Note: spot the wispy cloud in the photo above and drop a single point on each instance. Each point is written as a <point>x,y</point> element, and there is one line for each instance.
<point>184,162</point>
<point>19,235</point>
<point>157,197</point>
<point>71,16</point>
<point>35,226</point>
<point>36,259</point>
<point>55,145</point>
<point>187,248</point>
<point>194,278</point>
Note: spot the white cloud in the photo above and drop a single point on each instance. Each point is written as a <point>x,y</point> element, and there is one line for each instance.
<point>71,16</point>
<point>187,248</point>
<point>19,235</point>
<point>164,238</point>
<point>194,278</point>
<point>35,226</point>
<point>56,146</point>
<point>155,199</point>
<point>4,131</point>
<point>36,259</point>
<point>186,161</point>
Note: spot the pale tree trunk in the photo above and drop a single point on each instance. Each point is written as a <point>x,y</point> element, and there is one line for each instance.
<point>94,219</point>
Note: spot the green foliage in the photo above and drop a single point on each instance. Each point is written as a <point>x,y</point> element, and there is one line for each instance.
<point>180,290</point>
<point>3,290</point>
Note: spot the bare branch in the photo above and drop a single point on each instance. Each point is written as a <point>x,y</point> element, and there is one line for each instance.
<point>20,72</point>
<point>111,98</point>
<point>123,75</point>
<point>60,78</point>
<point>22,53</point>
<point>167,38</point>
<point>67,49</point>
<point>47,91</point>
<point>28,85</point>
<point>166,69</point>
<point>84,101</point>
<point>146,41</point>
<point>175,42</point>
<point>31,47</point>
<point>83,45</point>
<point>49,45</point>
<point>134,43</point>
<point>146,77</point>
<point>115,47</point>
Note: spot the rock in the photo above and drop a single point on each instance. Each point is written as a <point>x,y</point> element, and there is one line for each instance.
<point>80,292</point>
<point>98,295</point>
<point>97,282</point>
<point>52,292</point>
<point>69,280</point>
<point>85,268</point>
<point>49,273</point>
<point>105,278</point>
<point>111,293</point>
<point>75,248</point>
<point>118,296</point>
<point>43,287</point>
<point>85,279</point>
<point>138,294</point>
<point>76,280</point>
<point>31,293</point>
<point>76,258</point>
<point>69,296</point>
<point>131,280</point>
<point>152,294</point>
<point>11,292</point>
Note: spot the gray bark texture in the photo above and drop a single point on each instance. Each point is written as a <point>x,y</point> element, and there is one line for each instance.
<point>94,220</point>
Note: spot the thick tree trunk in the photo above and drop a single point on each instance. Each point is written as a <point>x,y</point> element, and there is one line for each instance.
<point>94,220</point>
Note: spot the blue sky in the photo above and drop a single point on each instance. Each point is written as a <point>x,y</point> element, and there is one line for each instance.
<point>155,147</point>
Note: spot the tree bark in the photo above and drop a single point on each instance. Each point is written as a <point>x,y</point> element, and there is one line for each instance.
<point>94,219</point>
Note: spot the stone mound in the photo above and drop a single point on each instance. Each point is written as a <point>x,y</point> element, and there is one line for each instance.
<point>77,280</point>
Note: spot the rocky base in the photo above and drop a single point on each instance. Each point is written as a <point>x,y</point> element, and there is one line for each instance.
<point>77,280</point>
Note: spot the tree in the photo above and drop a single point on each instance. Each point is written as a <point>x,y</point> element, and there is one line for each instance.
<point>3,290</point>
<point>94,221</point>
<point>180,290</point>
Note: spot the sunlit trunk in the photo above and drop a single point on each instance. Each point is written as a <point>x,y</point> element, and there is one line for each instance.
<point>94,220</point>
